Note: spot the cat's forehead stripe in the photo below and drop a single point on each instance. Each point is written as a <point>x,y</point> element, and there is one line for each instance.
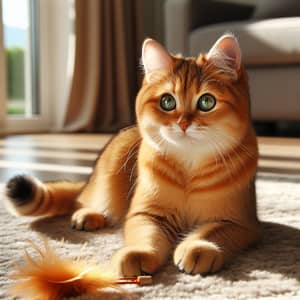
<point>187,73</point>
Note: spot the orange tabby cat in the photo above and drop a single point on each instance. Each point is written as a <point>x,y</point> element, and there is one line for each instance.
<point>183,178</point>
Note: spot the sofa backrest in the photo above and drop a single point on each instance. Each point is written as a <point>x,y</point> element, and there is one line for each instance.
<point>267,9</point>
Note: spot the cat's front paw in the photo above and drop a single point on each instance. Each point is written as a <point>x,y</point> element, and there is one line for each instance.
<point>198,257</point>
<point>87,219</point>
<point>134,261</point>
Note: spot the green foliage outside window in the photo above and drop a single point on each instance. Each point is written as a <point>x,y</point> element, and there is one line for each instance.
<point>15,80</point>
<point>15,73</point>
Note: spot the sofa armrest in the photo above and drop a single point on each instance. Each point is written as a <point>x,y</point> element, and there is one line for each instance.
<point>182,16</point>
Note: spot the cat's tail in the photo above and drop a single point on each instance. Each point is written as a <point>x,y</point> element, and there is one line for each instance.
<point>28,196</point>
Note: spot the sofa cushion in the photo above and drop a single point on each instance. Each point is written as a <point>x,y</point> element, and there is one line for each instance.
<point>264,42</point>
<point>266,9</point>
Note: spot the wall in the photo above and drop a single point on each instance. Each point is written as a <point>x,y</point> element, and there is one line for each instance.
<point>154,19</point>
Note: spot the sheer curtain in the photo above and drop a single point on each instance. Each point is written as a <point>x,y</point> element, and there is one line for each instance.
<point>105,81</point>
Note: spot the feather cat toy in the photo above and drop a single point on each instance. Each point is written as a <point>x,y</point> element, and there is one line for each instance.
<point>182,179</point>
<point>50,277</point>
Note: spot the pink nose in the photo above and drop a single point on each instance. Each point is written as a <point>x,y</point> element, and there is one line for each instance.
<point>184,124</point>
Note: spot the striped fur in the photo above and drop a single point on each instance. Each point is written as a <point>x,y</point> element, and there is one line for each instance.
<point>191,191</point>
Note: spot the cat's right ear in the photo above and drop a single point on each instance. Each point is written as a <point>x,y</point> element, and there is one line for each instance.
<point>155,58</point>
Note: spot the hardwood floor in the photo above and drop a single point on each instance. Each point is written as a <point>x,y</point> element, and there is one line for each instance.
<point>279,156</point>
<point>50,156</point>
<point>71,156</point>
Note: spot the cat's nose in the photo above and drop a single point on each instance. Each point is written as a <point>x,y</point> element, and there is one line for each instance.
<point>184,124</point>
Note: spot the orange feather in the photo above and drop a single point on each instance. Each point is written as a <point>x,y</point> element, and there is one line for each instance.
<point>50,277</point>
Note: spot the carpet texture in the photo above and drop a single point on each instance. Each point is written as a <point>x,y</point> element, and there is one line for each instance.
<point>271,270</point>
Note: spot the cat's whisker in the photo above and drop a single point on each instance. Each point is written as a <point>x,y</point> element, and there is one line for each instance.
<point>123,167</point>
<point>240,160</point>
<point>160,142</point>
<point>226,154</point>
<point>205,133</point>
<point>236,143</point>
<point>129,155</point>
<point>219,149</point>
<point>132,171</point>
<point>237,164</point>
<point>131,190</point>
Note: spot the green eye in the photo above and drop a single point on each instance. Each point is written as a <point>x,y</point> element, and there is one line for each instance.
<point>167,102</point>
<point>206,102</point>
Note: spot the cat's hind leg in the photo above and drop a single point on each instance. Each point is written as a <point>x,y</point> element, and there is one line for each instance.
<point>105,198</point>
<point>87,219</point>
<point>104,201</point>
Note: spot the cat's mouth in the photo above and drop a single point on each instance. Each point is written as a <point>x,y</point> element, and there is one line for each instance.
<point>178,137</point>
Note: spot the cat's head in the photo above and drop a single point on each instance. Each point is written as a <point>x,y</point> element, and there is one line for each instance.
<point>193,104</point>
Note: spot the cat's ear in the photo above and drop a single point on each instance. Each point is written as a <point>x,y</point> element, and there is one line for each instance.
<point>226,52</point>
<point>155,57</point>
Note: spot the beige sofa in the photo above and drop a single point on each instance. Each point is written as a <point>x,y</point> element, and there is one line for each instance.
<point>269,35</point>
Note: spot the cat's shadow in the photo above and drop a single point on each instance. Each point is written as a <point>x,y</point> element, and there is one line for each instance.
<point>59,228</point>
<point>278,251</point>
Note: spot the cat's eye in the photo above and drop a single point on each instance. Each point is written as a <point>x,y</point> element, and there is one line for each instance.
<point>167,102</point>
<point>206,102</point>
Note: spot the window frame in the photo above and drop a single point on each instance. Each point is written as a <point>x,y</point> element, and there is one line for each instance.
<point>2,76</point>
<point>52,92</point>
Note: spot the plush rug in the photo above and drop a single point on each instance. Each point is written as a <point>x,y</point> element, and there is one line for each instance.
<point>271,270</point>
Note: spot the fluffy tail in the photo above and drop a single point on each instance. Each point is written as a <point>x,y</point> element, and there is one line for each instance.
<point>28,196</point>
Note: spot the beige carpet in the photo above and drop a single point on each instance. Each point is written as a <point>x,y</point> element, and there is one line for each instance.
<point>269,271</point>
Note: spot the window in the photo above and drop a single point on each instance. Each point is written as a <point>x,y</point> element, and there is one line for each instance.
<point>21,52</point>
<point>36,66</point>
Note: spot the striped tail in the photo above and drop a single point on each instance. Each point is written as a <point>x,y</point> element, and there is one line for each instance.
<point>28,196</point>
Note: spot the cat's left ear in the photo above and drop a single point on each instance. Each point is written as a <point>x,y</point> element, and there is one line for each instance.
<point>155,58</point>
<point>226,52</point>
